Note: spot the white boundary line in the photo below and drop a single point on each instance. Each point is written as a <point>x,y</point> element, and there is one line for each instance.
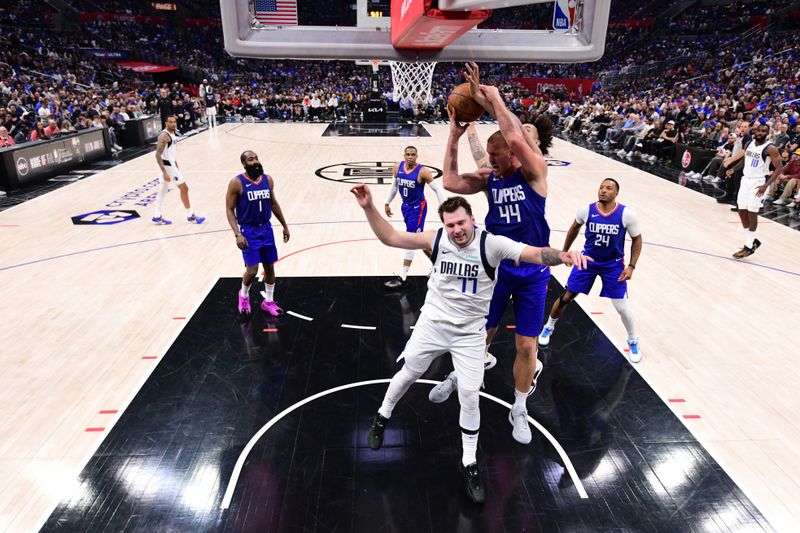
<point>352,326</point>
<point>237,469</point>
<point>298,315</point>
<point>122,408</point>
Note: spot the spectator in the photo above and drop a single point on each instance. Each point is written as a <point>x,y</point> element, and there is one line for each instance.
<point>6,140</point>
<point>52,129</point>
<point>38,133</point>
<point>791,175</point>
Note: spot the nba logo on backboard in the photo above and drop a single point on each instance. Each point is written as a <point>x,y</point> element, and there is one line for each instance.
<point>564,14</point>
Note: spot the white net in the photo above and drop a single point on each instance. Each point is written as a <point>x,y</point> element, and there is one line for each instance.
<point>412,79</point>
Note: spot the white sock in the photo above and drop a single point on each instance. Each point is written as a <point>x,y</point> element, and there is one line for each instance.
<point>551,322</point>
<point>469,419</point>
<point>520,398</point>
<point>621,305</point>
<point>162,192</point>
<point>751,236</point>
<point>270,289</point>
<point>469,448</point>
<point>404,273</point>
<point>189,212</point>
<point>245,290</point>
<point>746,236</point>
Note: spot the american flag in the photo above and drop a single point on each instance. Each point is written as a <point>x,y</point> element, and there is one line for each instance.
<point>276,11</point>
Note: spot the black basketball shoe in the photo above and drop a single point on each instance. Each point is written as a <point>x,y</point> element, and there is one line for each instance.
<point>472,477</point>
<point>375,436</point>
<point>395,283</point>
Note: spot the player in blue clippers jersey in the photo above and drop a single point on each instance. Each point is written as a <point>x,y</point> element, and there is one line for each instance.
<point>409,179</point>
<point>516,183</point>
<point>607,222</point>
<point>250,203</point>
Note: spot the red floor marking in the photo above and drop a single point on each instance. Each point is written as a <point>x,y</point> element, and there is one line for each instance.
<point>9,225</point>
<point>108,411</point>
<point>626,349</point>
<point>149,357</point>
<point>270,330</point>
<point>597,312</point>
<point>676,400</point>
<point>179,318</point>
<point>321,245</point>
<point>90,430</point>
<point>510,326</point>
<point>691,416</point>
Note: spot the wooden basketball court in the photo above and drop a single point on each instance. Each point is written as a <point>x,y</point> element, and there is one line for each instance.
<point>89,309</point>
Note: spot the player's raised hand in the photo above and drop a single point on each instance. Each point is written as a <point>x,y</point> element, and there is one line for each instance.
<point>456,128</point>
<point>363,195</point>
<point>491,93</point>
<point>575,259</point>
<point>473,77</point>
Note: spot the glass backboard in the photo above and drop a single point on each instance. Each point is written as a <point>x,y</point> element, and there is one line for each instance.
<point>360,30</point>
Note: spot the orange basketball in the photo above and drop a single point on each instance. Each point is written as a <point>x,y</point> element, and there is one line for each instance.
<point>466,108</point>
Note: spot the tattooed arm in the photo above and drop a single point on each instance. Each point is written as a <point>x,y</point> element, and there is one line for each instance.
<point>478,152</point>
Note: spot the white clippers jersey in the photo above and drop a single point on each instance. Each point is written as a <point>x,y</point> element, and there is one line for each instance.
<point>170,152</point>
<point>756,161</point>
<point>461,285</point>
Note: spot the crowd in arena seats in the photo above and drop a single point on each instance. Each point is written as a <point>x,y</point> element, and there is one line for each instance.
<point>719,88</point>
<point>716,108</point>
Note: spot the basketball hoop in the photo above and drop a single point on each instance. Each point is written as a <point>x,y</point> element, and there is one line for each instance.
<point>412,79</point>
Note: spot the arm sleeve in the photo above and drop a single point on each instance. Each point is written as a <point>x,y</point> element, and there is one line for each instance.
<point>437,188</point>
<point>392,192</point>
<point>499,248</point>
<point>582,215</point>
<point>631,222</point>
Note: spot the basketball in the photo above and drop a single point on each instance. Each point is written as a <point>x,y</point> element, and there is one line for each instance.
<point>466,108</point>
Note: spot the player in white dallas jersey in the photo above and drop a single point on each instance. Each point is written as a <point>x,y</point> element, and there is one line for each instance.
<point>168,165</point>
<point>755,168</point>
<point>453,317</point>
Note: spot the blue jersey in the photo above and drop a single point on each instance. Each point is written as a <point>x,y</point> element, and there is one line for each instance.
<point>254,207</point>
<point>516,211</point>
<point>605,234</point>
<point>411,190</point>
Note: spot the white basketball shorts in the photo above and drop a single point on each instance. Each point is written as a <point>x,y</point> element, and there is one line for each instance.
<point>466,343</point>
<point>747,198</point>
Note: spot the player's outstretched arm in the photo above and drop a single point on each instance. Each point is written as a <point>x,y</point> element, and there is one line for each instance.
<point>552,257</point>
<point>476,146</point>
<point>470,182</point>
<point>384,231</point>
<point>533,164</point>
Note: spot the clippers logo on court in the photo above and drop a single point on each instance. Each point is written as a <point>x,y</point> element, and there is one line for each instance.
<point>686,160</point>
<point>104,217</point>
<point>371,173</point>
<point>558,163</point>
<point>22,166</point>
